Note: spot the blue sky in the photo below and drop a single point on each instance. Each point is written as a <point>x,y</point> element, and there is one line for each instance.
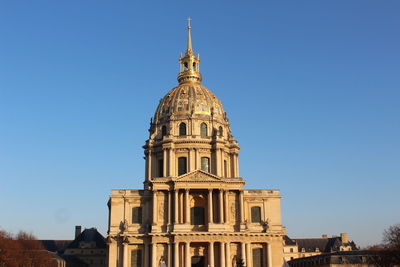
<point>311,89</point>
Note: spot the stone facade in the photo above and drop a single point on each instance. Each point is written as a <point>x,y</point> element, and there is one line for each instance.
<point>193,210</point>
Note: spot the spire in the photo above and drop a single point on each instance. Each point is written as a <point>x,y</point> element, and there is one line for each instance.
<point>189,50</point>
<point>190,71</point>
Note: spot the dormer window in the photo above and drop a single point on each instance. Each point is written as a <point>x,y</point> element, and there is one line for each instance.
<point>163,131</point>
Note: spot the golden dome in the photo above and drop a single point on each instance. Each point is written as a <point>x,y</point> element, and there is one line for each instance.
<point>189,100</point>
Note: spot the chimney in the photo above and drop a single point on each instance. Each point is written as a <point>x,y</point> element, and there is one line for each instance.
<point>344,237</point>
<point>78,230</point>
<point>324,236</point>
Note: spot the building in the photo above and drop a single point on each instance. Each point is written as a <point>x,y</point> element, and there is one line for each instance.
<point>193,210</point>
<point>88,249</point>
<point>305,247</point>
<point>358,258</point>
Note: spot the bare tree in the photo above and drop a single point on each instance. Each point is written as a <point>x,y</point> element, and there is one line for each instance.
<point>387,254</point>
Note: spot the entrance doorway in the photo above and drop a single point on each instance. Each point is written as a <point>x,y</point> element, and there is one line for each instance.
<point>198,261</point>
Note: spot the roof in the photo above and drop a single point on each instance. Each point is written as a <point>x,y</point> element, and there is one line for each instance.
<point>89,235</point>
<point>55,245</point>
<point>341,257</point>
<point>289,241</point>
<point>325,245</point>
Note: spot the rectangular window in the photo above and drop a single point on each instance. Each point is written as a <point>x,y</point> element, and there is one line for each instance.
<point>257,257</point>
<point>255,214</point>
<point>182,165</point>
<point>197,216</point>
<point>137,215</point>
<point>136,258</point>
<point>160,168</point>
<point>205,164</point>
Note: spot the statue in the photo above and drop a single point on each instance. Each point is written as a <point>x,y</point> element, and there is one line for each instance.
<point>162,262</point>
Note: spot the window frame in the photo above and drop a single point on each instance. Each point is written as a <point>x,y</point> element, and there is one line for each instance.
<point>254,215</point>
<point>137,215</point>
<point>182,172</point>
<point>182,129</point>
<point>203,129</point>
<point>208,164</point>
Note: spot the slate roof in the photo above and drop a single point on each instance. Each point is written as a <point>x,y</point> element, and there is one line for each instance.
<point>325,245</point>
<point>289,241</point>
<point>89,235</point>
<point>55,245</point>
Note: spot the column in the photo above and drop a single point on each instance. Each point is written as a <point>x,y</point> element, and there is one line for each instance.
<point>176,254</point>
<point>169,207</point>
<point>169,260</point>
<point>243,247</point>
<point>112,254</point>
<point>188,256</point>
<point>125,263</point>
<point>241,202</point>
<point>196,158</point>
<point>191,160</point>
<point>234,174</point>
<point>211,254</point>
<point>226,207</point>
<point>222,162</point>
<point>249,262</point>
<point>237,165</point>
<point>176,204</point>
<point>155,213</point>
<point>146,253</point>
<point>149,174</point>
<point>187,206</point>
<point>217,162</point>
<point>221,207</point>
<point>169,163</point>
<point>222,254</point>
<point>164,162</point>
<point>210,206</point>
<point>154,254</point>
<point>228,255</point>
<point>269,255</point>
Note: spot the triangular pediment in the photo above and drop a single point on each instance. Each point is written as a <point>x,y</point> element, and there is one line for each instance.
<point>198,176</point>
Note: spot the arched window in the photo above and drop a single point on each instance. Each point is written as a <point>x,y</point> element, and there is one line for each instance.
<point>164,130</point>
<point>182,163</point>
<point>255,214</point>
<point>203,130</point>
<point>220,131</point>
<point>182,129</point>
<point>197,216</point>
<point>205,164</point>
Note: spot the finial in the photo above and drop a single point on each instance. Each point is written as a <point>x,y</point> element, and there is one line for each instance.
<point>189,42</point>
<point>189,64</point>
